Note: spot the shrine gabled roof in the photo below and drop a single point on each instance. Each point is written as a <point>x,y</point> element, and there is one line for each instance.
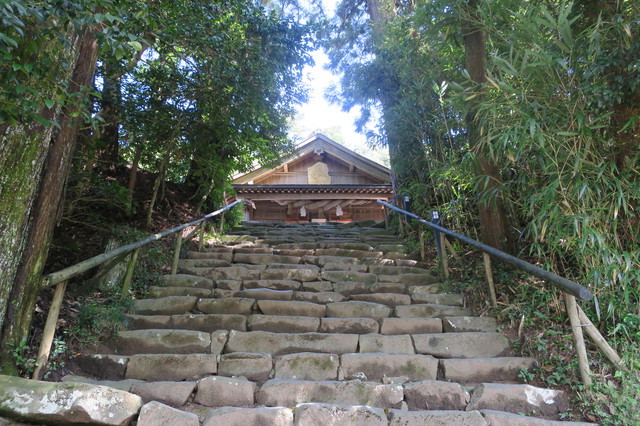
<point>322,143</point>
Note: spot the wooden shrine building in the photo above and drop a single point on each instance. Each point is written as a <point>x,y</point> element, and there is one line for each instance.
<point>321,181</point>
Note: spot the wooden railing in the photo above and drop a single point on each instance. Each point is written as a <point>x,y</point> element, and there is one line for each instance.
<point>60,278</point>
<point>571,290</point>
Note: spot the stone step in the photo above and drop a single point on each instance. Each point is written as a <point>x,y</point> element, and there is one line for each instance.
<point>265,294</point>
<point>163,341</point>
<point>379,366</point>
<point>438,299</point>
<point>186,264</point>
<point>481,370</point>
<point>264,259</point>
<point>292,308</point>
<point>462,345</point>
<point>165,305</point>
<point>227,257</point>
<point>389,299</point>
<point>359,309</point>
<point>429,310</point>
<point>284,343</point>
<point>289,393</point>
<point>158,292</point>
<point>185,280</point>
<point>231,305</point>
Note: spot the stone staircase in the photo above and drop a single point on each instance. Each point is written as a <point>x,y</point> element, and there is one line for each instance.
<point>315,324</point>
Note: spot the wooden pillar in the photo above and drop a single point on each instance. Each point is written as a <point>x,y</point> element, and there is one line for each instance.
<point>201,241</point>
<point>443,258</point>
<point>176,254</point>
<point>49,329</point>
<point>489,274</point>
<point>129,275</point>
<point>578,337</point>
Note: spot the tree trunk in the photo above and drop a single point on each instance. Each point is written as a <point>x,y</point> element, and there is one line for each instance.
<point>46,202</point>
<point>493,221</point>
<point>156,187</point>
<point>110,112</point>
<point>133,176</point>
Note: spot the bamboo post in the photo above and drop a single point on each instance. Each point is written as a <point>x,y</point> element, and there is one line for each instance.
<point>49,330</point>
<point>176,254</point>
<point>450,248</point>
<point>599,340</point>
<point>487,270</point>
<point>578,337</point>
<point>201,241</point>
<point>443,256</point>
<point>423,254</point>
<point>129,275</point>
<point>386,217</point>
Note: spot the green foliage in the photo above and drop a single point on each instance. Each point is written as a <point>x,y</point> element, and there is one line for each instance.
<point>24,360</point>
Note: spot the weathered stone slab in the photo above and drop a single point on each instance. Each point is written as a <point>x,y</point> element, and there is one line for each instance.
<point>307,366</point>
<point>438,299</point>
<point>376,366</point>
<point>252,250</point>
<point>218,249</point>
<point>350,288</point>
<point>411,325</point>
<point>283,343</point>
<point>238,273</point>
<point>162,341</point>
<point>429,311</point>
<point>376,261</point>
<point>291,308</point>
<point>217,391</point>
<point>398,344</point>
<point>165,305</point>
<point>186,264</point>
<point>172,393</point>
<point>266,294</point>
<point>157,414</point>
<point>65,403</point>
<point>357,310</point>
<point>299,274</point>
<point>235,305</point>
<point>218,341</point>
<point>283,323</point>
<point>430,289</point>
<point>500,418</point>
<point>348,276</point>
<point>410,279</point>
<point>397,270</point>
<point>294,252</point>
<point>253,366</point>
<point>232,416</point>
<point>123,385</point>
<point>219,293</point>
<point>412,262</point>
<point>435,395</point>
<point>233,285</point>
<point>273,284</point>
<point>462,345</point>
<point>389,299</point>
<point>478,370</point>
<point>348,325</point>
<point>345,267</point>
<point>518,399</point>
<point>463,324</point>
<point>111,367</point>
<point>157,292</point>
<point>318,296</point>
<point>395,248</point>
<point>155,367</point>
<point>436,417</point>
<point>348,253</point>
<point>381,287</point>
<point>209,322</point>
<point>184,280</point>
<point>343,415</point>
<point>317,286</point>
<point>227,257</point>
<point>289,393</point>
<point>397,255</point>
<point>348,245</point>
<point>264,259</point>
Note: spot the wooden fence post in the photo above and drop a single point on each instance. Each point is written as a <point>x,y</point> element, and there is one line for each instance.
<point>129,275</point>
<point>423,254</point>
<point>201,241</point>
<point>49,329</point>
<point>578,337</point>
<point>599,340</point>
<point>176,254</point>
<point>443,256</point>
<point>487,270</point>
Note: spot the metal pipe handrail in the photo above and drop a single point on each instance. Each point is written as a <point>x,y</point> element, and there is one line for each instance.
<point>562,283</point>
<point>72,271</point>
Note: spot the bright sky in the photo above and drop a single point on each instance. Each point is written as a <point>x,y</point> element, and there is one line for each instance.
<point>318,114</point>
